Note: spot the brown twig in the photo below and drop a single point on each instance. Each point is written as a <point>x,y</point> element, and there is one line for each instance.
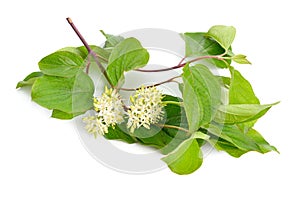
<point>90,51</point>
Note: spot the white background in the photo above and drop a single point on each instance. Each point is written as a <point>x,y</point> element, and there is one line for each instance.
<point>42,157</point>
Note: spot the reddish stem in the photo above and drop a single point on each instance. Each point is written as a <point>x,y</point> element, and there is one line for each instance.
<point>180,65</point>
<point>90,51</point>
<point>181,61</point>
<point>157,84</point>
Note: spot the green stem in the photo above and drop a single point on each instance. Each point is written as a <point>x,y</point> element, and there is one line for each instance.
<point>173,102</point>
<point>200,135</point>
<point>173,127</point>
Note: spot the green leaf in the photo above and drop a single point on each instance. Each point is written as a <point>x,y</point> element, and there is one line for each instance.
<point>127,55</point>
<point>201,95</point>
<point>186,159</point>
<point>235,142</point>
<point>117,133</point>
<point>224,35</point>
<point>102,54</point>
<point>70,95</point>
<point>225,81</point>
<point>171,145</point>
<point>174,116</point>
<point>239,113</point>
<point>165,139</point>
<point>157,138</point>
<point>62,64</point>
<point>74,50</point>
<point>180,87</point>
<point>154,136</point>
<point>241,91</point>
<point>29,79</point>
<point>197,44</point>
<point>111,40</point>
<point>241,59</point>
<point>223,145</point>
<point>264,146</point>
<point>235,136</point>
<point>63,115</point>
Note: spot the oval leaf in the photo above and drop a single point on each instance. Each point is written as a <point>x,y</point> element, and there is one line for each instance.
<point>62,64</point>
<point>241,59</point>
<point>70,95</point>
<point>224,35</point>
<point>186,159</point>
<point>201,95</point>
<point>197,44</point>
<point>127,55</point>
<point>240,90</point>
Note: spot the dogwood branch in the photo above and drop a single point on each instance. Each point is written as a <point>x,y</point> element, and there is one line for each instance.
<point>90,51</point>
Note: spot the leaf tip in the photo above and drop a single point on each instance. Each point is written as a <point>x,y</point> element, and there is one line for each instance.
<point>104,34</point>
<point>18,85</point>
<point>275,103</point>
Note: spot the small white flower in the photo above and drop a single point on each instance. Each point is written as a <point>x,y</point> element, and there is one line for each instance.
<point>110,107</point>
<point>109,112</point>
<point>95,125</point>
<point>146,108</point>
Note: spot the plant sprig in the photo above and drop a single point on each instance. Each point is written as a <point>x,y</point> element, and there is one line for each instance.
<point>216,110</point>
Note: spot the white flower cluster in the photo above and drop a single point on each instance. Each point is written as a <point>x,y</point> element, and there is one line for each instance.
<point>146,108</point>
<point>109,112</point>
<point>95,125</point>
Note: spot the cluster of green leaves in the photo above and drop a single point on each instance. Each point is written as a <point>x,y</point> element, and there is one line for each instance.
<point>62,86</point>
<point>202,116</point>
